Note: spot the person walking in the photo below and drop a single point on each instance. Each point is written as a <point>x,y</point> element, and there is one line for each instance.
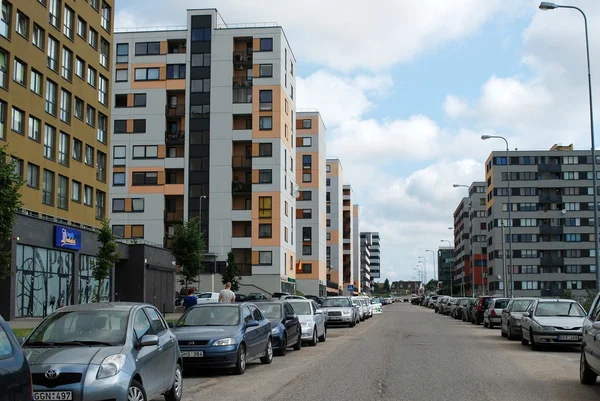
<point>190,299</point>
<point>226,294</point>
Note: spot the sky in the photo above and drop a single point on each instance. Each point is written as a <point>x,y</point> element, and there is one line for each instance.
<point>407,87</point>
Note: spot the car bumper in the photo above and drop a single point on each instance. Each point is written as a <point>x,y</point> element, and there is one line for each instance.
<point>554,338</point>
<point>340,320</point>
<point>276,341</point>
<point>214,357</point>
<point>495,320</point>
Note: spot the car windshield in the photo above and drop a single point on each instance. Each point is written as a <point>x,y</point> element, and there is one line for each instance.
<point>559,309</point>
<point>376,301</point>
<point>501,303</point>
<point>356,302</point>
<point>301,308</point>
<point>337,303</point>
<point>84,327</point>
<point>521,306</point>
<point>271,311</point>
<point>211,316</point>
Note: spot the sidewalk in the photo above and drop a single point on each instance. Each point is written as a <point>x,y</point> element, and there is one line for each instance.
<point>31,322</point>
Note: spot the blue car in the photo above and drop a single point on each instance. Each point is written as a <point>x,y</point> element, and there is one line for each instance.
<point>224,335</point>
<point>15,376</point>
<point>286,330</point>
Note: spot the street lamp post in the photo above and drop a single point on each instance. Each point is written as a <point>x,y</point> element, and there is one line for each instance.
<point>510,253</point>
<point>432,257</point>
<point>452,273</point>
<point>551,6</point>
<point>425,268</point>
<point>471,245</point>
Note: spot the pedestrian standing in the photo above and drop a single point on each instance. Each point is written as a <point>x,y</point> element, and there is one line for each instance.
<point>190,300</point>
<point>226,294</point>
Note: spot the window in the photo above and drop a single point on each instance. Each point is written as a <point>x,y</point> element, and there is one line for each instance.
<point>48,188</point>
<point>120,101</point>
<point>104,53</point>
<point>307,123</point>
<point>307,213</point>
<point>89,155</point>
<point>95,4</point>
<point>91,76</point>
<point>3,109</point>
<point>265,176</point>
<point>145,178</point>
<point>328,168</point>
<point>200,85</point>
<point>266,100</point>
<point>122,75</point>
<point>328,236</point>
<point>266,45</point>
<point>78,108</point>
<point>200,111</point>
<point>265,231</point>
<point>20,72</point>
<point>145,152</point>
<point>265,70</point>
<point>36,82</point>
<point>122,53</point>
<point>52,54</point>
<point>5,21</point>
<point>76,191</point>
<point>201,34</point>
<point>139,126</point>
<point>201,60</point>
<point>50,142</point>
<point>54,10</point>
<point>120,126</point>
<point>38,37</point>
<point>65,106</point>
<point>100,166</point>
<point>119,232</point>
<point>176,71</point>
<point>147,48</point>
<point>100,204</point>
<point>34,128</point>
<point>306,141</point>
<point>139,100</point>
<point>265,257</point>
<point>64,141</point>
<point>265,207</point>
<point>17,120</point>
<point>93,38</point>
<point>328,222</point>
<point>102,128</point>
<point>118,179</point>
<point>306,177</point>
<point>51,93</point>
<point>291,92</point>
<point>81,27</point>
<point>306,162</point>
<point>103,90</point>
<point>118,205</point>
<point>63,192</point>
<point>80,68</point>
<point>328,182</point>
<point>305,195</point>
<point>88,194</point>
<point>68,23</point>
<point>90,116</point>
<point>67,64</point>
<point>137,205</point>
<point>3,68</point>
<point>265,123</point>
<point>33,176</point>
<point>105,21</point>
<point>148,74</point>
<point>77,150</point>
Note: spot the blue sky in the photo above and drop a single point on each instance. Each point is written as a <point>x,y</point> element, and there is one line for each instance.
<point>407,88</point>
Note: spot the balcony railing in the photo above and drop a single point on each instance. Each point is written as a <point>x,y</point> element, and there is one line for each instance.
<point>241,162</point>
<point>175,111</point>
<point>176,215</point>
<point>242,82</point>
<point>552,261</point>
<point>242,95</point>
<point>242,58</point>
<point>239,188</point>
<point>550,198</point>
<point>547,229</point>
<point>549,168</point>
<point>174,136</point>
<point>332,284</point>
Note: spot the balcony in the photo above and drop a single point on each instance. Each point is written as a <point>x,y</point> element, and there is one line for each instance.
<point>333,284</point>
<point>549,168</point>
<point>550,198</point>
<point>547,229</point>
<point>241,188</point>
<point>174,137</point>
<point>242,59</point>
<point>242,95</point>
<point>552,261</point>
<point>174,216</point>
<point>241,162</point>
<point>175,111</point>
<point>242,82</point>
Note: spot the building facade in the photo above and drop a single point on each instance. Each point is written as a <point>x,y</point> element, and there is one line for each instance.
<point>311,230</point>
<point>445,266</point>
<point>372,239</point>
<point>365,262</point>
<point>347,240</point>
<point>356,276</point>
<point>213,139</point>
<point>552,222</point>
<point>334,224</point>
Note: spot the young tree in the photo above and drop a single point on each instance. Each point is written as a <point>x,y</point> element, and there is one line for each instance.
<point>386,285</point>
<point>10,185</point>
<point>232,273</point>
<point>106,257</point>
<point>188,250</point>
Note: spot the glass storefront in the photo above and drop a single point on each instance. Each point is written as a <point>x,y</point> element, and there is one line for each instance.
<point>44,280</point>
<point>88,286</point>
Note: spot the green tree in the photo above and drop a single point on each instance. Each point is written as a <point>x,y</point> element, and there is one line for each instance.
<point>232,273</point>
<point>188,249</point>
<point>567,294</point>
<point>386,285</point>
<point>431,286</point>
<point>10,185</point>
<point>106,257</point>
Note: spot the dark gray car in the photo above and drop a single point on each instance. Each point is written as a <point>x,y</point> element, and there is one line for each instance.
<point>15,380</point>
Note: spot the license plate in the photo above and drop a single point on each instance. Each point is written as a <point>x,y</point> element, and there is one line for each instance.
<point>568,338</point>
<point>192,354</point>
<point>53,395</point>
<point>335,318</point>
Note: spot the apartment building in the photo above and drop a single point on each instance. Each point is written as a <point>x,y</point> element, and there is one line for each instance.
<point>445,266</point>
<point>212,137</point>
<point>365,262</point>
<point>470,241</point>
<point>358,287</point>
<point>55,99</point>
<point>347,239</point>
<point>372,238</point>
<point>334,224</point>
<point>311,230</point>
<point>552,221</point>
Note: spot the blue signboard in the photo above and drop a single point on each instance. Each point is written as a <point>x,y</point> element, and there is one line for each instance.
<point>350,287</point>
<point>67,238</point>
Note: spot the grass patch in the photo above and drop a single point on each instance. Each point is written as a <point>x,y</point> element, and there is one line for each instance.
<point>21,332</point>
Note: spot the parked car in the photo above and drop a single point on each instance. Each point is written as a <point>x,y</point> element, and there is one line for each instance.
<point>318,300</point>
<point>439,303</point>
<point>15,376</point>
<point>589,361</point>
<point>208,297</point>
<point>241,298</point>
<point>285,325</point>
<point>224,335</point>
<point>359,309</point>
<point>553,322</point>
<point>468,309</point>
<point>510,323</point>
<point>284,297</point>
<point>278,295</point>
<point>432,300</point>
<point>451,306</point>
<point>459,309</point>
<point>104,351</point>
<point>376,306</point>
<point>256,296</point>
<point>312,319</point>
<point>366,307</point>
<point>340,311</point>
<point>483,302</point>
<point>493,314</point>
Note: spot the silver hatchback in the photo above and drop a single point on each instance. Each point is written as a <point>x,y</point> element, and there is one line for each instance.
<point>104,351</point>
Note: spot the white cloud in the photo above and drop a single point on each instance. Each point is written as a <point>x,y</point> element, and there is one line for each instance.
<point>455,107</point>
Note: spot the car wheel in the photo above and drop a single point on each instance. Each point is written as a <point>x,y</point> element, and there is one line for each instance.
<point>534,346</point>
<point>298,345</point>
<point>284,345</point>
<point>174,394</point>
<point>510,334</point>
<point>586,375</point>
<point>502,332</point>
<point>268,358</point>
<point>523,340</point>
<point>352,324</point>
<point>313,340</point>
<point>323,338</point>
<point>490,325</point>
<point>240,366</point>
<point>136,391</point>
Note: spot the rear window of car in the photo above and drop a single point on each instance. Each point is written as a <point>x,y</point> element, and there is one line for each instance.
<point>501,303</point>
<point>6,348</point>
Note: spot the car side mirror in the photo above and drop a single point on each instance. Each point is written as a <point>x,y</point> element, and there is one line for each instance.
<point>252,323</point>
<point>149,340</point>
<point>526,314</point>
<point>596,325</point>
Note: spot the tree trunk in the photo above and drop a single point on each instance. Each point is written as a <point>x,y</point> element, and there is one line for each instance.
<point>99,289</point>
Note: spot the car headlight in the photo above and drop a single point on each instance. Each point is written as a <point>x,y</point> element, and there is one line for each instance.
<point>275,331</point>
<point>346,313</point>
<point>548,328</point>
<point>224,341</point>
<point>306,324</point>
<point>111,365</point>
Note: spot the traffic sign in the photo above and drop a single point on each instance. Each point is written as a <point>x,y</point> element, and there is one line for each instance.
<point>350,287</point>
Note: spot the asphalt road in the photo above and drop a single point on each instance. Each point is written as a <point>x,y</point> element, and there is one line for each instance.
<point>407,353</point>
